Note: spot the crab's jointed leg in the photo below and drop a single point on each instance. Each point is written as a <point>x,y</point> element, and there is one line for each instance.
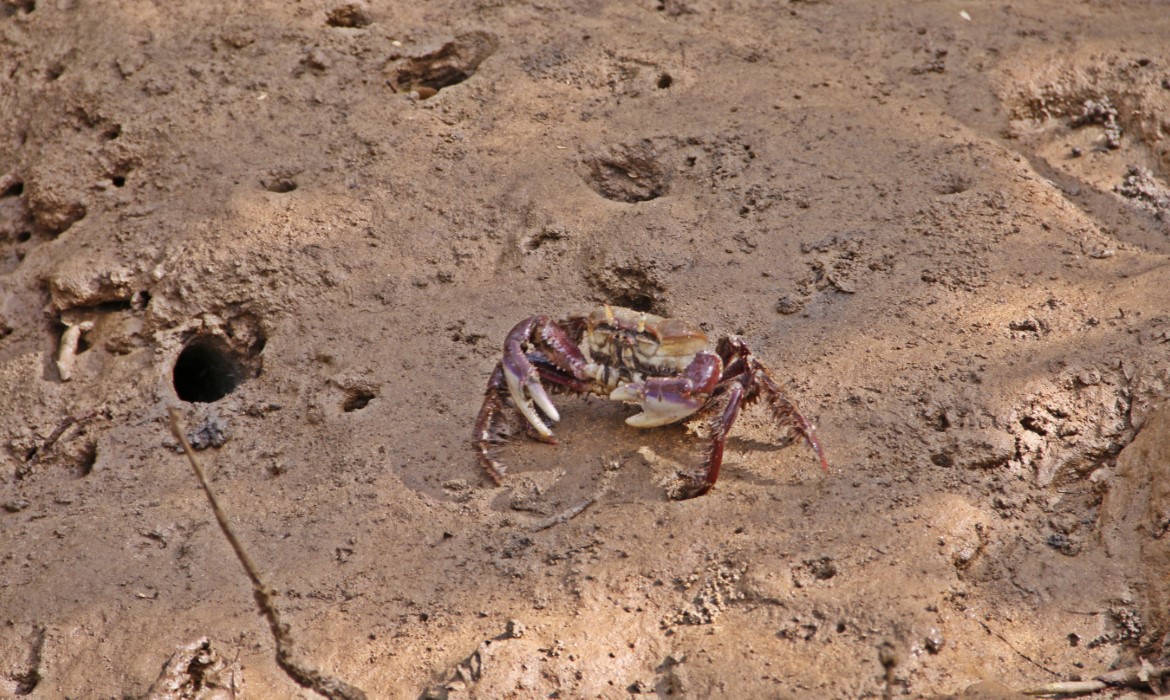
<point>744,381</point>
<point>702,482</point>
<point>758,384</point>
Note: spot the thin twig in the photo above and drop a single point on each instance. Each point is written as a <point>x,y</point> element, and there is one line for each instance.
<point>1144,676</point>
<point>563,517</point>
<point>302,674</point>
<point>47,445</point>
<point>610,467</point>
<point>1021,654</point>
<point>1067,688</point>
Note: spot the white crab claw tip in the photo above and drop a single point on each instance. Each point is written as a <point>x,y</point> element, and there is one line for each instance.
<point>513,382</point>
<point>533,419</point>
<point>627,392</point>
<point>642,420</point>
<point>524,404</point>
<point>541,398</point>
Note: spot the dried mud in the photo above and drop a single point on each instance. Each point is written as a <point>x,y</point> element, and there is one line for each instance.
<point>310,225</point>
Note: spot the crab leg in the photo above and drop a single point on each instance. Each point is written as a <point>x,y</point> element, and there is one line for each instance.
<point>487,430</point>
<point>745,369</point>
<point>785,413</point>
<point>720,427</point>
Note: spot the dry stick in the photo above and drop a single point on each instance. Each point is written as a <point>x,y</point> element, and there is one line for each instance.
<point>1067,688</point>
<point>302,674</point>
<point>69,422</point>
<point>610,469</point>
<point>562,517</point>
<point>1019,653</point>
<point>1133,677</point>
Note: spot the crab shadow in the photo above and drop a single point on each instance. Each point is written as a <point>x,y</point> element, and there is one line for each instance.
<point>599,457</point>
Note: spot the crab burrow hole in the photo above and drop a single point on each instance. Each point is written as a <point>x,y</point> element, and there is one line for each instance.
<point>627,173</point>
<point>208,369</point>
<point>357,398</point>
<point>450,64</point>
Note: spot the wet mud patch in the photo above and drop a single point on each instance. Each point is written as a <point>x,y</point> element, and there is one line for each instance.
<point>54,211</point>
<point>69,450</point>
<point>1067,428</point>
<point>717,587</point>
<point>1149,192</point>
<point>1134,525</point>
<point>644,170</point>
<point>596,457</point>
<point>841,264</point>
<point>198,669</point>
<point>380,266</point>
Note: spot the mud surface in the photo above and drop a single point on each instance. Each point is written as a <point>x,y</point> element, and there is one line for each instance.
<point>310,225</point>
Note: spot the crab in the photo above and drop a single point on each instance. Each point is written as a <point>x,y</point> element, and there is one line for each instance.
<point>661,364</point>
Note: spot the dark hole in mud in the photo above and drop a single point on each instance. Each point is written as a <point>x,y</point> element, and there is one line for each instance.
<point>7,9</point>
<point>207,370</point>
<point>118,180</point>
<point>632,286</point>
<point>88,458</point>
<point>26,682</point>
<point>55,71</point>
<point>428,80</point>
<point>279,185</point>
<point>638,301</point>
<point>24,236</point>
<point>357,399</point>
<point>112,132</point>
<point>14,190</point>
<point>952,183</point>
<point>665,81</point>
<point>350,16</point>
<point>453,63</point>
<point>1032,424</point>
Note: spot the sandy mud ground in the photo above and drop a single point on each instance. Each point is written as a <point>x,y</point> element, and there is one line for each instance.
<point>309,226</point>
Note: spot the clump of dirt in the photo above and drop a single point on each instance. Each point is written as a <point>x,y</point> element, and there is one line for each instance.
<point>1147,192</point>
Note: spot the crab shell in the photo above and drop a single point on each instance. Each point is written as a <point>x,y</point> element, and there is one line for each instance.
<point>642,342</point>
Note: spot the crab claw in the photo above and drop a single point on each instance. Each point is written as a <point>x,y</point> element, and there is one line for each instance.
<point>663,401</point>
<point>666,400</point>
<point>525,389</point>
